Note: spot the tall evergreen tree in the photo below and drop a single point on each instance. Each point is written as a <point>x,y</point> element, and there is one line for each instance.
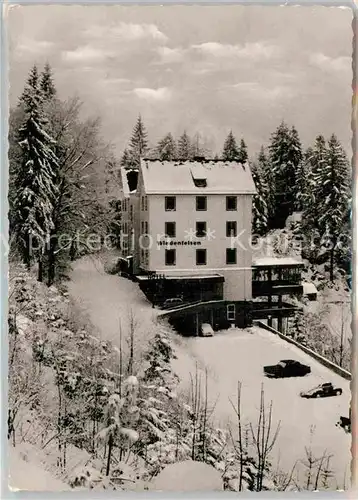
<point>127,160</point>
<point>34,185</point>
<point>259,201</point>
<point>166,148</point>
<point>184,150</point>
<point>303,172</point>
<point>315,160</point>
<point>138,146</point>
<point>242,156</point>
<point>295,147</point>
<point>32,86</point>
<point>46,83</point>
<point>230,150</point>
<point>266,174</point>
<point>332,195</point>
<point>285,155</point>
<point>199,147</point>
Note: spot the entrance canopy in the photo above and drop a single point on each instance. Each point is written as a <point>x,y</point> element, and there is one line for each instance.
<point>277,262</point>
<point>218,278</point>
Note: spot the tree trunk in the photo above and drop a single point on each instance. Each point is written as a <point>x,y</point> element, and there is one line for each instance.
<point>331,267</point>
<point>27,254</point>
<point>51,260</point>
<point>40,268</point>
<point>73,251</point>
<point>110,446</point>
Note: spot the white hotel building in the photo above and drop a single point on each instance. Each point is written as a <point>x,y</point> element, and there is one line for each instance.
<point>190,223</point>
<point>186,232</point>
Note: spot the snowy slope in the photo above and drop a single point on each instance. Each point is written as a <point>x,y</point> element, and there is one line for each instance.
<point>30,475</point>
<point>230,356</point>
<point>109,299</point>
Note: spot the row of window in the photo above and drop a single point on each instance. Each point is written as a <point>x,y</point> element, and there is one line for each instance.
<point>201,230</point>
<point>125,205</point>
<point>144,203</point>
<point>144,227</point>
<point>200,256</point>
<point>201,203</point>
<point>144,257</point>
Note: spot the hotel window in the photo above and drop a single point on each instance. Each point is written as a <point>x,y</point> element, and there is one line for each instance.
<point>201,203</point>
<point>142,227</point>
<point>231,228</point>
<point>231,203</point>
<point>230,312</point>
<point>170,203</point>
<point>170,257</point>
<point>200,257</point>
<point>131,212</point>
<point>145,203</point>
<point>200,229</point>
<point>231,256</point>
<point>146,230</point>
<point>124,205</point>
<point>170,229</point>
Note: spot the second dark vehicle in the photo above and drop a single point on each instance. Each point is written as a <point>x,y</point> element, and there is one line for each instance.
<point>322,391</point>
<point>287,368</point>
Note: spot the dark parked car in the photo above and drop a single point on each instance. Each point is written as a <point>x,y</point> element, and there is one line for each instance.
<point>287,368</point>
<point>322,391</point>
<point>173,302</point>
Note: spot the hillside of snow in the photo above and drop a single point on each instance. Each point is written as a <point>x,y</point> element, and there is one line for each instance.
<point>91,319</point>
<point>26,473</point>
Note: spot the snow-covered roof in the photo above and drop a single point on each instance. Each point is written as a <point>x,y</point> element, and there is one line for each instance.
<point>172,177</point>
<point>277,261</point>
<point>125,187</point>
<point>124,173</point>
<point>309,288</point>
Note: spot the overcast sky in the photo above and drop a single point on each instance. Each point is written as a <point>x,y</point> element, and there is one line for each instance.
<point>205,69</point>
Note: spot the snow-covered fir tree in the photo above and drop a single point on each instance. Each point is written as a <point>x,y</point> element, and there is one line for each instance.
<point>138,146</point>
<point>199,148</point>
<point>285,155</point>
<point>264,167</point>
<point>242,156</point>
<point>35,190</point>
<point>332,195</point>
<point>32,85</point>
<point>315,159</point>
<point>295,147</point>
<point>230,150</point>
<point>126,160</point>
<point>259,201</point>
<point>46,83</point>
<point>302,180</point>
<point>166,148</point>
<point>184,150</point>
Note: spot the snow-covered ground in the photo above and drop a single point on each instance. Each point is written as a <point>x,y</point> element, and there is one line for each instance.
<point>231,356</point>
<point>25,473</point>
<point>108,300</point>
<point>239,355</point>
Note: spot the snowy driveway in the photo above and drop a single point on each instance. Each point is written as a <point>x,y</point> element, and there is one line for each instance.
<point>239,355</point>
<point>231,356</point>
<point>108,300</point>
